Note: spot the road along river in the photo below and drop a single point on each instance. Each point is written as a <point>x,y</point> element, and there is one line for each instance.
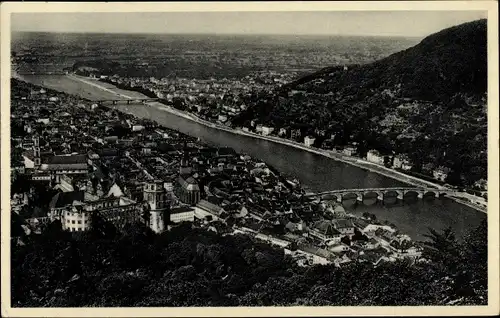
<point>317,172</point>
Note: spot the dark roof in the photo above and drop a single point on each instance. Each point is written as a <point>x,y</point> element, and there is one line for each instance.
<point>361,223</point>
<point>73,159</point>
<point>325,228</point>
<point>210,207</point>
<point>188,178</point>
<point>214,200</point>
<point>108,152</point>
<point>342,223</point>
<point>188,183</point>
<point>181,209</point>
<point>225,151</point>
<point>66,198</point>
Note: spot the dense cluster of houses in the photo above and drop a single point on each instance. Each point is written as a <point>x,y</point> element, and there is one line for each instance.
<point>97,161</point>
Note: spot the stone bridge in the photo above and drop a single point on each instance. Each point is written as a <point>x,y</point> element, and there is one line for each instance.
<point>42,73</point>
<point>124,101</point>
<point>379,193</point>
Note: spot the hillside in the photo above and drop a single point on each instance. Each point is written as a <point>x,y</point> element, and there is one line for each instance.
<point>428,97</point>
<point>450,61</point>
<point>194,267</point>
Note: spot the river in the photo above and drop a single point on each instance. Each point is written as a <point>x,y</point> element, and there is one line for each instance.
<point>317,172</point>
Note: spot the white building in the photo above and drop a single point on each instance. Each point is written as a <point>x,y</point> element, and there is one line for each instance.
<point>267,130</point>
<point>222,118</point>
<point>375,157</point>
<point>349,151</point>
<point>45,121</point>
<point>137,128</point>
<point>154,194</point>
<point>205,208</point>
<point>75,210</point>
<point>182,214</point>
<point>402,162</point>
<point>309,141</point>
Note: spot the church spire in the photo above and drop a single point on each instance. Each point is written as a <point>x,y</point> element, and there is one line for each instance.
<point>185,167</point>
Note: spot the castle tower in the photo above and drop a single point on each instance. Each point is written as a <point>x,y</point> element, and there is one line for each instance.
<point>36,152</point>
<point>154,195</point>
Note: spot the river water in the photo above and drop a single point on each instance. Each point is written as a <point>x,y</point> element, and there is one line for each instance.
<point>317,172</point>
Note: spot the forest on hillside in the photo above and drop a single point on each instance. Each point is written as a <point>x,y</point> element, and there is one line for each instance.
<point>195,267</point>
<point>428,102</point>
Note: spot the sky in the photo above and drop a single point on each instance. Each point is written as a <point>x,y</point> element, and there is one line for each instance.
<point>374,23</point>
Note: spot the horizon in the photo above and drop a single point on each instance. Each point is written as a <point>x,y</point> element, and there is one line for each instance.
<point>300,23</point>
<point>226,34</point>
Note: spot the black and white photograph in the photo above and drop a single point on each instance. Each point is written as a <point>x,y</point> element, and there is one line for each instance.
<point>197,157</point>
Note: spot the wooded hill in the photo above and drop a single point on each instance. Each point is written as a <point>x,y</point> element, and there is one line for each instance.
<point>428,101</point>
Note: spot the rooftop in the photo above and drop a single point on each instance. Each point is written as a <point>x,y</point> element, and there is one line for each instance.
<point>210,207</point>
<point>181,209</point>
<point>326,228</point>
<point>63,199</point>
<point>71,159</point>
<point>188,183</point>
<point>342,223</point>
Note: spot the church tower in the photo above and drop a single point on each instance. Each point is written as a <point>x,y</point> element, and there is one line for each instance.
<point>154,195</point>
<point>185,164</point>
<point>36,152</point>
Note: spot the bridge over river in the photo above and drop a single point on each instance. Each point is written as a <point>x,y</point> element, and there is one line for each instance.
<point>380,193</point>
<point>124,101</point>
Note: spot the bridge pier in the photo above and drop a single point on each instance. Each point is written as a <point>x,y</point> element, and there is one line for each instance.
<point>400,195</point>
<point>359,197</point>
<point>114,102</point>
<point>128,102</point>
<point>339,198</point>
<point>420,195</point>
<point>380,196</point>
<point>436,194</point>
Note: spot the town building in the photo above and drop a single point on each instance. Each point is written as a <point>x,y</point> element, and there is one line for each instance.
<point>324,231</point>
<point>181,214</point>
<point>349,151</point>
<point>282,132</point>
<point>375,157</point>
<point>75,210</point>
<point>185,167</point>
<point>187,190</point>
<point>440,173</point>
<point>154,195</point>
<point>309,141</point>
<point>267,130</point>
<point>60,165</point>
<point>205,209</point>
<point>295,134</point>
<point>345,227</point>
<point>401,161</point>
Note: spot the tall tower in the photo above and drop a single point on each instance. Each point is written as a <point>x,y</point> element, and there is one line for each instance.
<point>154,195</point>
<point>36,152</point>
<point>185,167</point>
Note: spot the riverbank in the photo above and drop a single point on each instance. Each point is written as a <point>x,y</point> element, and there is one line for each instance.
<point>357,162</point>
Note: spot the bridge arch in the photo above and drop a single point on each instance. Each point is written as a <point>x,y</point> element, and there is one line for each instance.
<point>330,196</point>
<point>381,193</point>
<point>434,193</point>
<point>392,193</point>
<point>352,195</point>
